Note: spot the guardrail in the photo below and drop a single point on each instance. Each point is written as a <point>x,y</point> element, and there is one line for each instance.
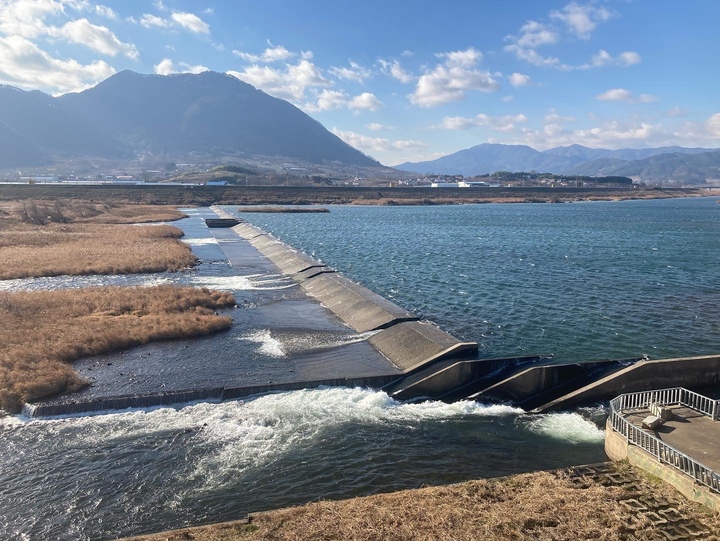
<point>653,445</point>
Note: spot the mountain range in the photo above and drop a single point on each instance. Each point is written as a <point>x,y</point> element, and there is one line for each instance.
<point>665,164</point>
<point>130,114</point>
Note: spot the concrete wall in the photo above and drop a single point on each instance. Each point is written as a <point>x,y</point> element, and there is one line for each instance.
<point>645,376</point>
<point>618,449</point>
<point>450,377</point>
<point>536,380</point>
<point>412,344</point>
<point>181,397</point>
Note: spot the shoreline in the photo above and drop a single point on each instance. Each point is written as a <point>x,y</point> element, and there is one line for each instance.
<point>203,196</point>
<point>612,501</point>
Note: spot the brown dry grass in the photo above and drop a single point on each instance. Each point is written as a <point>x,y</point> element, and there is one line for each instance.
<point>50,238</point>
<point>43,331</point>
<point>537,506</point>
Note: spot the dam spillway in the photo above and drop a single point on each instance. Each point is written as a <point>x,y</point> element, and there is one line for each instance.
<point>298,324</point>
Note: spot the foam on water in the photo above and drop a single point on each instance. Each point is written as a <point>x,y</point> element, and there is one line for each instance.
<point>268,345</point>
<point>249,282</point>
<point>315,341</point>
<point>49,283</point>
<point>569,427</point>
<point>202,241</point>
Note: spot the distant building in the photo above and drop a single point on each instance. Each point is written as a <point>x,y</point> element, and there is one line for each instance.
<point>444,185</point>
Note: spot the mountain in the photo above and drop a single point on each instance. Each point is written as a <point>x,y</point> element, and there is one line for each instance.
<point>480,159</point>
<point>663,163</point>
<point>35,129</point>
<point>682,168</point>
<point>131,114</point>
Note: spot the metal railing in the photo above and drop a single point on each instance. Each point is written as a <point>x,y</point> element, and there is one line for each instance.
<point>653,445</point>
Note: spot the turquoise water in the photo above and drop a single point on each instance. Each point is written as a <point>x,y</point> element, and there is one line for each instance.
<point>584,281</point>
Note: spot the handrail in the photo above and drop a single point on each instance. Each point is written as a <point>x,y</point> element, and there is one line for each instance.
<point>653,445</point>
<point>662,397</point>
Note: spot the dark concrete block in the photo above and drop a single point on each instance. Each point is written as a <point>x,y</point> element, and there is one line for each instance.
<point>411,344</point>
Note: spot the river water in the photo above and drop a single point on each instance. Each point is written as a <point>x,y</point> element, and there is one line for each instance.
<point>582,281</point>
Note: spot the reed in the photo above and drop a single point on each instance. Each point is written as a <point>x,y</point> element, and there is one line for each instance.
<point>42,332</point>
<point>527,507</point>
<point>51,238</point>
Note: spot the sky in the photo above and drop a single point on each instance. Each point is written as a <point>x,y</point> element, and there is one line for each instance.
<point>407,80</point>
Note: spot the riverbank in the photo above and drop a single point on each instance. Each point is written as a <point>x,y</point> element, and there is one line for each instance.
<point>611,502</point>
<point>290,195</point>
<point>43,332</point>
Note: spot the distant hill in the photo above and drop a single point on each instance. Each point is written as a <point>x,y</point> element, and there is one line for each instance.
<point>679,167</point>
<point>658,164</point>
<point>130,114</point>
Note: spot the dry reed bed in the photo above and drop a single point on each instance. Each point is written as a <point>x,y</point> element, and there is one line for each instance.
<point>42,332</point>
<point>81,249</point>
<point>70,237</point>
<point>537,506</point>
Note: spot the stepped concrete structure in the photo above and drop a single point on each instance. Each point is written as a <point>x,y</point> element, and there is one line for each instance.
<point>325,330</point>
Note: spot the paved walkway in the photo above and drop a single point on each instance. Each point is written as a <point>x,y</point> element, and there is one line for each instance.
<point>690,432</point>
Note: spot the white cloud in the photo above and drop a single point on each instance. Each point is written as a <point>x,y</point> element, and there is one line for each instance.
<point>365,101</point>
<point>107,12</point>
<point>328,100</point>
<point>603,58</point>
<point>554,118</point>
<point>622,94</point>
<point>191,22</point>
<point>467,58</point>
<point>167,67</point>
<point>98,38</point>
<point>182,19</point>
<point>713,125</point>
<point>451,80</point>
<point>518,79</point>
<point>27,18</point>
<point>355,72</point>
<point>504,123</point>
<point>395,70</point>
<point>288,82</point>
<point>164,67</point>
<point>148,21</point>
<point>24,64</point>
<point>375,126</point>
<point>534,34</point>
<point>269,55</point>
<point>581,20</point>
<point>377,144</point>
<point>506,99</point>
<point>628,58</point>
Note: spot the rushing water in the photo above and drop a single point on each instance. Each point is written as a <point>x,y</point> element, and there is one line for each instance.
<point>108,475</point>
<point>583,281</point>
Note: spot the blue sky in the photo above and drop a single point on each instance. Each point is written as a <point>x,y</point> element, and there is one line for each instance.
<point>407,80</point>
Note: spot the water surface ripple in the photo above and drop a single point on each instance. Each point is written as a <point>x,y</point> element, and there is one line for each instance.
<point>590,280</point>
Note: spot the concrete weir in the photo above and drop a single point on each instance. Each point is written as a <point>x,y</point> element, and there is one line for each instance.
<point>404,340</point>
<point>326,330</point>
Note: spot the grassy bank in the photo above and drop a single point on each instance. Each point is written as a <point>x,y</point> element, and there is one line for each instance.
<point>618,505</point>
<point>50,238</point>
<point>42,332</point>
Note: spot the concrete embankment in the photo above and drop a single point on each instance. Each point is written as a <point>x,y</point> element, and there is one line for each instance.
<point>643,375</point>
<point>404,340</point>
<point>315,327</point>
